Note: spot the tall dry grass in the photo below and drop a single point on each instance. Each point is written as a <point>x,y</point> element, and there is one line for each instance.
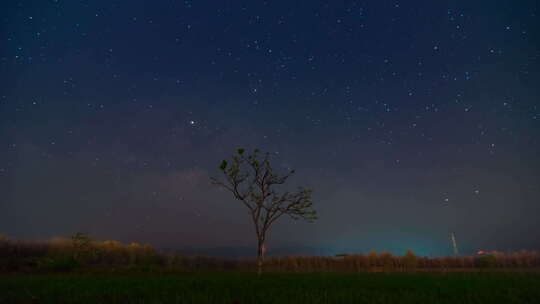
<point>65,254</point>
<point>81,253</point>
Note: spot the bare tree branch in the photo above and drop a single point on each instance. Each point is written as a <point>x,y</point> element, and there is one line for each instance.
<point>252,180</point>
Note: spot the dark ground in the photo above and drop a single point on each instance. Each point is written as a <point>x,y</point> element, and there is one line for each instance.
<point>272,288</point>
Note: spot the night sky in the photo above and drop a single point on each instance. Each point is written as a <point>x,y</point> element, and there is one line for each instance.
<point>409,120</point>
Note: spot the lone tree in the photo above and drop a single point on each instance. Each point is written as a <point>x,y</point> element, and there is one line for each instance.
<point>252,180</point>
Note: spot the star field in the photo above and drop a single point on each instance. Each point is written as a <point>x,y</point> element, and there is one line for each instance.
<point>409,120</point>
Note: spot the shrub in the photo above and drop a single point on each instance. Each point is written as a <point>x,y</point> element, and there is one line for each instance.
<point>58,264</point>
<point>410,261</point>
<point>487,261</point>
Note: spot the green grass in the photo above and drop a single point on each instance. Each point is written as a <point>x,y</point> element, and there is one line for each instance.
<point>272,288</point>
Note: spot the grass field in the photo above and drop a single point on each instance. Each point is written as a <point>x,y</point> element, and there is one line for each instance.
<point>273,288</point>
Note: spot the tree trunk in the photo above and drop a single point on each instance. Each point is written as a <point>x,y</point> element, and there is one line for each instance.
<point>260,256</point>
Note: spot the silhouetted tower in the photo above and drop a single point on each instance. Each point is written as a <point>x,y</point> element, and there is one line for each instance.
<point>454,244</point>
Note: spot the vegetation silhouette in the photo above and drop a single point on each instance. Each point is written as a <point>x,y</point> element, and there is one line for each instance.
<point>65,255</point>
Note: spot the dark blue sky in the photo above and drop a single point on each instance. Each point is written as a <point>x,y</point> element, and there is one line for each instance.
<point>409,119</point>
